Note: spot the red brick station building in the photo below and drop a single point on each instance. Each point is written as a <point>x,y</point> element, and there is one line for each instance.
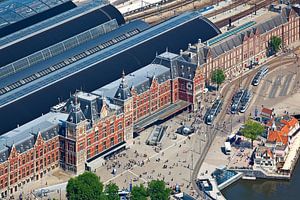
<point>78,134</point>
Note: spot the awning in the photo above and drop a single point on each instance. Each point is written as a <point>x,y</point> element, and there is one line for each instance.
<point>161,114</point>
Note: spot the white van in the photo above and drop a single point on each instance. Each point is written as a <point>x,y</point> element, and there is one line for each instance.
<point>227,148</point>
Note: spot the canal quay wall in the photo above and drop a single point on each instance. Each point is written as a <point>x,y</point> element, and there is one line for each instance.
<point>261,174</point>
<point>230,181</point>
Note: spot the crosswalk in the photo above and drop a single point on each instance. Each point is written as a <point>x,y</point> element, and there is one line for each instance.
<point>277,86</point>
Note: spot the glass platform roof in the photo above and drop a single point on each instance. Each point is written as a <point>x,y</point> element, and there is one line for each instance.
<point>12,11</point>
<point>230,33</point>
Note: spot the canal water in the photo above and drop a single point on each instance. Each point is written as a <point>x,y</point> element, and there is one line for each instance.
<point>265,189</point>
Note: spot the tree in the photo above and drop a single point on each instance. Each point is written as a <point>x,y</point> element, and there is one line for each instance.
<point>84,187</point>
<point>274,45</point>
<point>218,77</point>
<point>252,130</point>
<point>139,193</point>
<point>157,190</point>
<point>111,192</point>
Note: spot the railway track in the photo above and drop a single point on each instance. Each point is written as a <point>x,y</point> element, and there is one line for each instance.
<point>224,22</point>
<point>176,5</point>
<point>162,9</point>
<point>181,4</point>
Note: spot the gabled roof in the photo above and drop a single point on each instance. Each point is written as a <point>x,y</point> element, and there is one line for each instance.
<point>263,150</point>
<point>278,136</point>
<point>25,145</point>
<point>267,111</point>
<point>140,80</point>
<point>268,25</point>
<point>24,137</point>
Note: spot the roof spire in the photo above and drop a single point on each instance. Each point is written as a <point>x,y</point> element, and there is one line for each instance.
<point>123,92</point>
<point>167,49</point>
<point>123,78</point>
<point>123,74</point>
<point>76,98</point>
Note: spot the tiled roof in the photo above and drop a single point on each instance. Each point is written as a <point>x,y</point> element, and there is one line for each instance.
<point>267,111</point>
<point>262,150</point>
<point>278,136</point>
<point>180,66</point>
<point>140,80</point>
<point>289,121</point>
<point>24,137</point>
<point>221,44</point>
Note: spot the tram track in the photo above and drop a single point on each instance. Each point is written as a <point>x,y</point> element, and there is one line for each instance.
<point>228,92</point>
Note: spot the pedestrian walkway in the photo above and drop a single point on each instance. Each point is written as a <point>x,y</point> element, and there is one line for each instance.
<point>293,154</point>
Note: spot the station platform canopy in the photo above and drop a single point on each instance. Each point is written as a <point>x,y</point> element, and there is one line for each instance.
<point>18,14</point>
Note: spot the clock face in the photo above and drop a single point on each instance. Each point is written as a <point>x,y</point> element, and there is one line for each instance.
<point>189,86</point>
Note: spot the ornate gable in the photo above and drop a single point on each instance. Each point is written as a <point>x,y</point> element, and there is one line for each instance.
<point>104,109</point>
<point>13,152</point>
<point>39,140</point>
<point>154,82</point>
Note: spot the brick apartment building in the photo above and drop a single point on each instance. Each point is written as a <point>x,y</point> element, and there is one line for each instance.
<point>246,45</point>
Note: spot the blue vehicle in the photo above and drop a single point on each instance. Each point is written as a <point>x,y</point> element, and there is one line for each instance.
<point>245,101</point>
<point>213,111</point>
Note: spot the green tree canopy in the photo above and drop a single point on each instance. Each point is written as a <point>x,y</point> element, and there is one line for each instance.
<point>252,130</point>
<point>86,186</point>
<point>139,193</point>
<point>275,44</point>
<point>157,190</point>
<point>111,192</point>
<point>218,76</point>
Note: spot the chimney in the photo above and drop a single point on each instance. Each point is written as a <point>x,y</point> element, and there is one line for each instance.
<point>199,41</point>
<point>181,52</point>
<point>190,45</point>
<point>274,125</point>
<point>229,22</point>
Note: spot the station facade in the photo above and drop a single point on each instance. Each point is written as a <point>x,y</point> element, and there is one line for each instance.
<point>91,126</point>
<point>247,45</point>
